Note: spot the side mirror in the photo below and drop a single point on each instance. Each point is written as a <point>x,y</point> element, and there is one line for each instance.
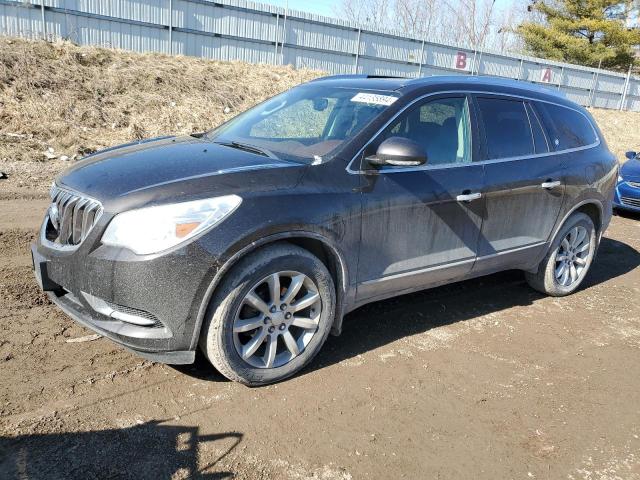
<point>632,155</point>
<point>398,152</point>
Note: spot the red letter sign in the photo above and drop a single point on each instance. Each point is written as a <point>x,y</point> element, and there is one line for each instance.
<point>546,75</point>
<point>460,62</point>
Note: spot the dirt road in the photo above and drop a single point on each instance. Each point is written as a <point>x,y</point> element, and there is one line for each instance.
<point>484,379</point>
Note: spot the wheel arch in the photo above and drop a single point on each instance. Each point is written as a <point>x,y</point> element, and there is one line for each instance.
<point>594,212</point>
<point>314,243</point>
<point>592,208</point>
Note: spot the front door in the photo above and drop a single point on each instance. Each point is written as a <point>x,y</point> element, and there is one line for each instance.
<point>421,225</point>
<point>524,185</point>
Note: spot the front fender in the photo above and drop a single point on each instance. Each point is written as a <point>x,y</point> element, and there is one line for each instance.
<point>258,239</point>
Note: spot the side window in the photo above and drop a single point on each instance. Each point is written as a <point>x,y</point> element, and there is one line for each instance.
<point>571,129</point>
<point>506,128</point>
<point>540,141</point>
<point>440,126</point>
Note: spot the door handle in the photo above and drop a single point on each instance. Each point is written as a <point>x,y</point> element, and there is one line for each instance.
<point>468,197</point>
<point>549,184</point>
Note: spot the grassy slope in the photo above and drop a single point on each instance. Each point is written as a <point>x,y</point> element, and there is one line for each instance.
<point>78,99</point>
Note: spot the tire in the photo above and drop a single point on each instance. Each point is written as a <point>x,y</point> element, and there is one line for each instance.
<point>545,280</point>
<point>253,276</point>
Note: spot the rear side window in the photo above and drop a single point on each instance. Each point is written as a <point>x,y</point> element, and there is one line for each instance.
<point>570,129</point>
<point>507,128</point>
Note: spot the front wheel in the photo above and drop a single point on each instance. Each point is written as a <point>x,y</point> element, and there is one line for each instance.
<point>571,254</point>
<point>270,315</point>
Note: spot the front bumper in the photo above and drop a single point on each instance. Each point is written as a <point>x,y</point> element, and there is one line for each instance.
<point>627,197</point>
<point>69,305</point>
<point>148,304</point>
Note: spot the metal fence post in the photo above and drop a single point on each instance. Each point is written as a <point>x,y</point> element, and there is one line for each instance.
<point>521,69</point>
<point>561,77</point>
<point>625,88</point>
<point>355,65</point>
<point>284,33</point>
<point>421,59</point>
<point>473,62</point>
<point>170,27</point>
<point>594,84</point>
<point>275,53</point>
<point>44,23</point>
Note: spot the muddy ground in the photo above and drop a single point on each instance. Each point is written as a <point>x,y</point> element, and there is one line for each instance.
<point>483,379</point>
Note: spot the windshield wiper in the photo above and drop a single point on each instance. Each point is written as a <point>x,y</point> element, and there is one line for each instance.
<point>249,148</point>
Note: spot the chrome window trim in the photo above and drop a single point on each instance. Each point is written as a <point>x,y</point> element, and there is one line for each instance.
<point>481,162</point>
<point>533,137</point>
<point>539,122</point>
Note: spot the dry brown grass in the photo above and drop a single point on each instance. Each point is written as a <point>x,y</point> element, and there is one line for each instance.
<point>621,130</point>
<point>79,99</point>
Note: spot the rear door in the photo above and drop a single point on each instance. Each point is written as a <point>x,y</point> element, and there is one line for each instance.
<point>524,184</point>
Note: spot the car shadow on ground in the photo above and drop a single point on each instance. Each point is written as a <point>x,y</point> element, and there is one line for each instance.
<point>149,450</point>
<point>382,323</point>
<point>627,214</point>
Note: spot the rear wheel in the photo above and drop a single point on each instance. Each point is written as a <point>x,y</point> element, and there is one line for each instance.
<point>566,265</point>
<point>270,315</point>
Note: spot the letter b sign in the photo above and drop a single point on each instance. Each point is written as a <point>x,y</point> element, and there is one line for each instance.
<point>460,61</point>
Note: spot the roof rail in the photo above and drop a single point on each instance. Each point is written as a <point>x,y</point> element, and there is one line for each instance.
<point>352,76</point>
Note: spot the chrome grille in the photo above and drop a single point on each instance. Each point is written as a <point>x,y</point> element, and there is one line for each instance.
<point>632,202</point>
<point>71,216</point>
<point>634,184</point>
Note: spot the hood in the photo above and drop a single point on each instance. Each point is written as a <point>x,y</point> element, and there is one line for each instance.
<point>175,167</point>
<point>630,170</point>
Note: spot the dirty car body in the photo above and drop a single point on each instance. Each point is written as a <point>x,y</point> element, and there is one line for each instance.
<point>495,178</point>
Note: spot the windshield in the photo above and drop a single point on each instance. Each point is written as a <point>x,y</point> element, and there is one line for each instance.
<point>306,124</point>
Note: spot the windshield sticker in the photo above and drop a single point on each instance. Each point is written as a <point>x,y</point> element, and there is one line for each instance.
<point>374,98</point>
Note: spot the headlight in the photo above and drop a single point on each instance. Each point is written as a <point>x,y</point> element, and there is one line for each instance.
<point>620,179</point>
<point>154,229</point>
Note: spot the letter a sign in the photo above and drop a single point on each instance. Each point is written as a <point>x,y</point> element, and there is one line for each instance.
<point>460,61</point>
<point>546,75</point>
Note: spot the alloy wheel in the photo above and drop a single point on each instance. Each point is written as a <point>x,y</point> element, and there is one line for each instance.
<point>277,319</point>
<point>571,256</point>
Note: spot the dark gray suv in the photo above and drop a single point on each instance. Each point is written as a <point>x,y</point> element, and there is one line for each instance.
<point>252,241</point>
